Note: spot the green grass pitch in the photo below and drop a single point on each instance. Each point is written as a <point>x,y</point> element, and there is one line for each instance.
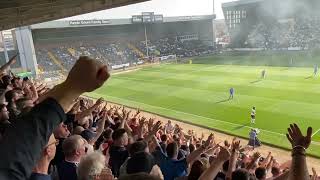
<point>198,93</point>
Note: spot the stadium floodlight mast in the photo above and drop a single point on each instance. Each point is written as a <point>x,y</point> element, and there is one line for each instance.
<point>146,39</point>
<point>147,18</point>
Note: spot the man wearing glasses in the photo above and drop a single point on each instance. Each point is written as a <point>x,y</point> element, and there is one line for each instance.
<point>40,171</point>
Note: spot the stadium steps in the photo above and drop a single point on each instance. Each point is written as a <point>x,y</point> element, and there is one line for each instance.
<point>135,49</point>
<point>56,61</point>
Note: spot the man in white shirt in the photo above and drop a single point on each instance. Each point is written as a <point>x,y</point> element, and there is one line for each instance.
<point>168,128</point>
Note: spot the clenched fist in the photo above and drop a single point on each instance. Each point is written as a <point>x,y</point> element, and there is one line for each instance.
<point>87,75</point>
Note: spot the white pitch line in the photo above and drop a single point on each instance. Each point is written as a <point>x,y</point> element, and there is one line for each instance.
<point>249,127</point>
<point>190,114</point>
<point>315,132</point>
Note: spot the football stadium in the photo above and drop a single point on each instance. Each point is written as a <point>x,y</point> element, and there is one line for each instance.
<point>251,75</point>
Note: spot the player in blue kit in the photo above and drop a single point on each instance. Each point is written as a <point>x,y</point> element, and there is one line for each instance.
<point>231,91</point>
<point>263,74</point>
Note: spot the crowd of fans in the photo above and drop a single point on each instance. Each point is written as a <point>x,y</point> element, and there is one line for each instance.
<point>44,61</point>
<point>301,32</point>
<point>56,134</point>
<point>110,53</point>
<point>116,53</point>
<point>172,46</point>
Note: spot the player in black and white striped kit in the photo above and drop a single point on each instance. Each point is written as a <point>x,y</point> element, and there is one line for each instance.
<point>253,115</point>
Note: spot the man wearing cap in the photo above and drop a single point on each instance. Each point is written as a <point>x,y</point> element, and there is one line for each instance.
<point>89,136</point>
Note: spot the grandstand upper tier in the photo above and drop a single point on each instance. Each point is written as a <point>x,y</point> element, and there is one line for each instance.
<point>120,42</point>
<point>272,24</point>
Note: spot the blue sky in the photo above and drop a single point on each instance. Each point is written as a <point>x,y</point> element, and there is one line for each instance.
<point>165,7</point>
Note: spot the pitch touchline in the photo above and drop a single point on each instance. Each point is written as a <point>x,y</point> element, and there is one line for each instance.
<point>249,127</point>
<point>312,142</point>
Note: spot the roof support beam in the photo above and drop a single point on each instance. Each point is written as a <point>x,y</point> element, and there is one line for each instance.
<point>15,13</point>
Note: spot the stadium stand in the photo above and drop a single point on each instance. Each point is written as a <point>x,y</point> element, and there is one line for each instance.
<point>117,53</point>
<point>111,53</point>
<point>121,42</point>
<point>51,131</point>
<point>252,25</point>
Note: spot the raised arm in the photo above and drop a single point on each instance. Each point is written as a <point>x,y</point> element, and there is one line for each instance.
<point>233,158</point>
<point>6,66</point>
<point>195,154</point>
<point>100,128</point>
<point>266,160</point>
<point>86,112</point>
<point>299,144</point>
<point>216,165</point>
<point>314,174</point>
<point>155,128</point>
<point>253,161</point>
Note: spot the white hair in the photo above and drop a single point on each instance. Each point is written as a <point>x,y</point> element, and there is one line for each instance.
<point>91,165</point>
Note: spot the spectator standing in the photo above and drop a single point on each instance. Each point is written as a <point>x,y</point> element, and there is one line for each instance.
<point>118,152</point>
<point>61,133</point>
<point>40,171</point>
<point>168,128</point>
<point>74,148</point>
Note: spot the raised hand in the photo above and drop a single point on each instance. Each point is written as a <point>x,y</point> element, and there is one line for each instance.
<point>156,128</point>
<point>224,154</point>
<point>150,124</point>
<point>128,115</point>
<point>138,111</point>
<point>209,140</point>
<point>202,136</point>
<point>227,144</point>
<point>296,138</point>
<point>256,156</point>
<point>235,145</point>
<point>109,112</point>
<point>99,101</point>
<point>314,174</point>
<point>142,121</point>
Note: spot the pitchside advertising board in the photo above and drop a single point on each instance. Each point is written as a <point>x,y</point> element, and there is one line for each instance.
<point>147,17</point>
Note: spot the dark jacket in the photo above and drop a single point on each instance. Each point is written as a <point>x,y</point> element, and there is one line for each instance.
<point>67,171</point>
<point>23,142</point>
